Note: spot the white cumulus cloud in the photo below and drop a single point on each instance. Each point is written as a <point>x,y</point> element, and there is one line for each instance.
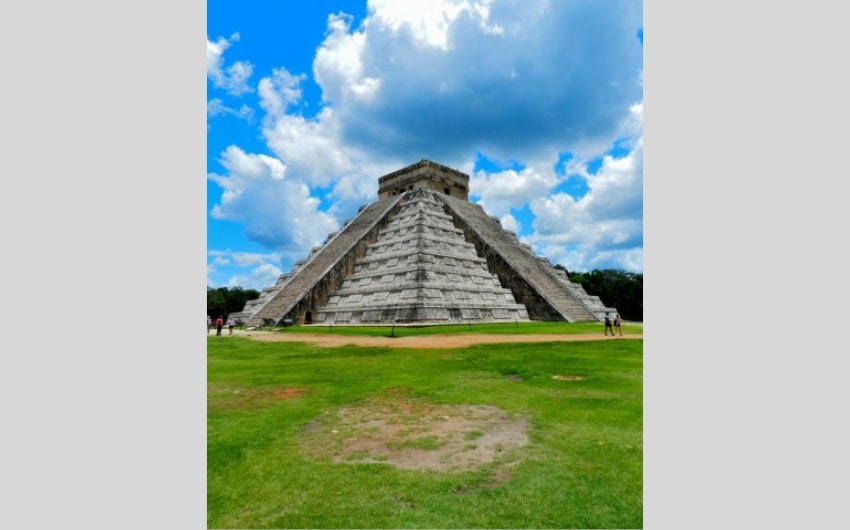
<point>249,270</point>
<point>217,107</point>
<point>276,211</point>
<point>234,78</point>
<point>510,189</point>
<point>603,229</point>
<point>450,80</point>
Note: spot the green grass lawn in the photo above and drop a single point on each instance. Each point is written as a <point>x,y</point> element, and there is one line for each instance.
<point>268,465</point>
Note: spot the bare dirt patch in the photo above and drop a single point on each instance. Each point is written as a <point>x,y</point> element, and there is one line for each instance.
<point>284,393</point>
<point>411,433</point>
<point>568,377</point>
<point>236,397</point>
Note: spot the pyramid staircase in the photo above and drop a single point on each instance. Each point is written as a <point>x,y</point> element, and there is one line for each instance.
<point>544,290</point>
<point>311,282</point>
<point>420,270</point>
<point>422,254</point>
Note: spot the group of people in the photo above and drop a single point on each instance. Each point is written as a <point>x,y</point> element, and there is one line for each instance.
<point>219,323</point>
<point>610,325</point>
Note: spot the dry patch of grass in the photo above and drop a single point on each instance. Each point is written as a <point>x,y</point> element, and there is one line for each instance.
<point>568,377</point>
<point>412,433</point>
<point>236,397</point>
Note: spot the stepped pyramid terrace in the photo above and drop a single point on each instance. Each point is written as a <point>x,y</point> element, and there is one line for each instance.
<point>422,254</point>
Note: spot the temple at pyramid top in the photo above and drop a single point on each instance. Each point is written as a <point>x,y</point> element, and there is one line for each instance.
<point>425,175</point>
<point>422,254</point>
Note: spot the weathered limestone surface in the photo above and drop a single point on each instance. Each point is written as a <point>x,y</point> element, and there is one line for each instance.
<point>533,280</point>
<point>422,254</point>
<point>421,270</point>
<point>313,281</point>
<point>424,175</point>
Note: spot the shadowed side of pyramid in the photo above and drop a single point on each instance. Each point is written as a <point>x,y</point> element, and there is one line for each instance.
<point>312,282</point>
<point>544,290</point>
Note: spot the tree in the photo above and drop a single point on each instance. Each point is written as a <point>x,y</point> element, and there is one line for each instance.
<point>616,288</point>
<point>223,301</point>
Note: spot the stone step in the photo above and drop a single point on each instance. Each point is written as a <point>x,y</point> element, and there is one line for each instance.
<point>418,287</point>
<point>422,253</point>
<point>320,263</point>
<point>535,272</point>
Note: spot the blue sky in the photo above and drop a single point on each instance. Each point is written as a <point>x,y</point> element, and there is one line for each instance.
<point>308,103</point>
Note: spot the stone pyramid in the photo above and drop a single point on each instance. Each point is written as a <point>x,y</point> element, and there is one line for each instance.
<point>420,269</point>
<point>420,255</point>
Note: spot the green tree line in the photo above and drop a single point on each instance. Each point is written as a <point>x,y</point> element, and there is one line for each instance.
<point>221,301</point>
<point>616,288</point>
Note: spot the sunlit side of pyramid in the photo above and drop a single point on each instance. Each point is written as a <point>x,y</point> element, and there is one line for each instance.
<point>421,269</point>
<point>420,255</point>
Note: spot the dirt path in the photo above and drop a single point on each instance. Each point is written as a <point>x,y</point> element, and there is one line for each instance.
<point>433,341</point>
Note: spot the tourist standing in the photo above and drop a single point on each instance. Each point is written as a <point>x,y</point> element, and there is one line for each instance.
<point>618,323</point>
<point>608,325</point>
<point>209,324</point>
<point>219,322</point>
<point>230,324</point>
